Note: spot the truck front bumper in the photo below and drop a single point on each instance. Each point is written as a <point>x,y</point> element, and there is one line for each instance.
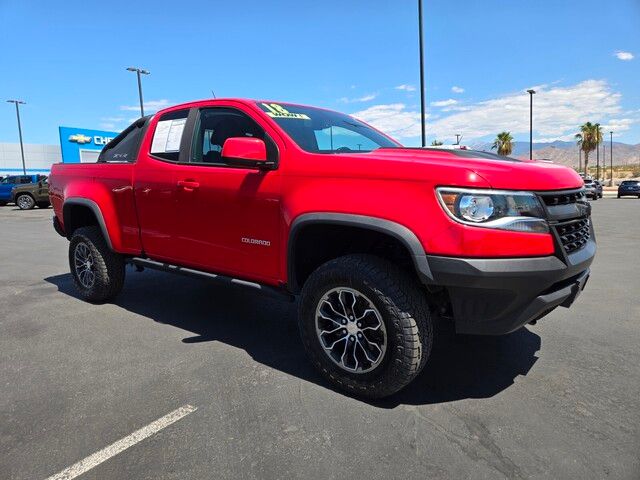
<point>498,296</point>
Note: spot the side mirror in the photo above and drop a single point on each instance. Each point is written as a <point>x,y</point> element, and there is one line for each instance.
<point>245,151</point>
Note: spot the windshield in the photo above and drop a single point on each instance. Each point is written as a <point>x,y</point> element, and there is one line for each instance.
<point>8,180</point>
<point>323,131</point>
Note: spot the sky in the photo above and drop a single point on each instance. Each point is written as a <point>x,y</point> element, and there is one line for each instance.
<point>67,60</point>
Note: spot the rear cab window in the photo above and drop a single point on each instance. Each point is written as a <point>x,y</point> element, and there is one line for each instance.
<point>124,147</point>
<point>167,137</point>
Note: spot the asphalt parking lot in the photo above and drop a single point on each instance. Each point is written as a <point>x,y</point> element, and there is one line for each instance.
<point>556,400</point>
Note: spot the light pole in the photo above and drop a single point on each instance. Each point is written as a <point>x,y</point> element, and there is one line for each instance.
<point>597,160</point>
<point>139,71</point>
<point>20,102</point>
<point>604,159</point>
<point>531,92</point>
<point>611,159</point>
<point>579,159</point>
<point>458,137</point>
<point>422,104</point>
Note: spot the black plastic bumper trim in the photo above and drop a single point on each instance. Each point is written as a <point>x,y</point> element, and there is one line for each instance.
<point>498,296</point>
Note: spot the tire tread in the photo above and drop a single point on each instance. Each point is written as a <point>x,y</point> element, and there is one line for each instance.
<point>412,329</point>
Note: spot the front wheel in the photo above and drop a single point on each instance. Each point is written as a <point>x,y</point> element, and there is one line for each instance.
<point>25,202</point>
<point>98,272</point>
<point>365,325</point>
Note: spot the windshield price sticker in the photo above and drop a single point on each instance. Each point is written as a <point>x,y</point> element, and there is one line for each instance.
<point>278,111</point>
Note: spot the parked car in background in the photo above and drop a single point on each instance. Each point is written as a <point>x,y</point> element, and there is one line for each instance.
<point>7,184</point>
<point>31,194</point>
<point>629,188</point>
<point>590,188</point>
<point>598,188</point>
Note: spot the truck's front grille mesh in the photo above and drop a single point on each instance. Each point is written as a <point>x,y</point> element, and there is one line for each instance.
<point>563,198</point>
<point>573,234</point>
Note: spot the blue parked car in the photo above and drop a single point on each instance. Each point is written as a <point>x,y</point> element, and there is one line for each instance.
<point>7,183</point>
<point>629,188</point>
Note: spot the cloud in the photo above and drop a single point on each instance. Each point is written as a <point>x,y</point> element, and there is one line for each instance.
<point>557,113</point>
<point>621,55</point>
<point>113,119</point>
<point>364,98</point>
<point>149,106</point>
<point>456,89</point>
<point>406,88</point>
<point>393,119</point>
<point>444,103</point>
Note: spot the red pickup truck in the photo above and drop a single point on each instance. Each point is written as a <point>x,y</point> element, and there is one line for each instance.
<point>375,239</point>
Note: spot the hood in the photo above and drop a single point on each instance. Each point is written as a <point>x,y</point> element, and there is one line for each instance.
<point>499,172</point>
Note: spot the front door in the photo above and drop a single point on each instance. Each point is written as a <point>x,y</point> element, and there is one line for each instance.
<point>227,217</point>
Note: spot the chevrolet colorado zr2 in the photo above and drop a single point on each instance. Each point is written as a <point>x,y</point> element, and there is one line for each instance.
<point>377,240</point>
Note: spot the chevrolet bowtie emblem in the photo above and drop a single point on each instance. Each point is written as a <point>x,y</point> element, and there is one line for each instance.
<point>79,138</point>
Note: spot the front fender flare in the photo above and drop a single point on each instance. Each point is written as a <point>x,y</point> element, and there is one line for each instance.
<point>396,230</point>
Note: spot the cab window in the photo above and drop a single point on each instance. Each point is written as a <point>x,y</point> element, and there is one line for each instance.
<point>124,148</point>
<point>214,126</point>
<point>167,136</point>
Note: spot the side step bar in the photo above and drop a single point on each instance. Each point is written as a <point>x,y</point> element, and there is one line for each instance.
<point>167,267</point>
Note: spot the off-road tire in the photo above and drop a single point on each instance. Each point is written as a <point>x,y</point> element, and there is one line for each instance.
<point>108,266</point>
<point>24,201</point>
<point>43,204</point>
<point>404,311</point>
<point>2,203</point>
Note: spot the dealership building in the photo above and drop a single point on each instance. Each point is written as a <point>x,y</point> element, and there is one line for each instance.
<point>77,145</point>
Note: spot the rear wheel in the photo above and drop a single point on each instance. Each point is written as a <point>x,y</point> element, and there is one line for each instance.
<point>365,325</point>
<point>98,272</point>
<point>25,201</point>
<point>2,203</point>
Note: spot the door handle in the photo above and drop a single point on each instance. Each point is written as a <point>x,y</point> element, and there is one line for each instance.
<point>188,184</point>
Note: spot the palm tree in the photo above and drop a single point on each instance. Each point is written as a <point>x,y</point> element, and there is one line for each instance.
<point>436,143</point>
<point>588,139</point>
<point>503,143</point>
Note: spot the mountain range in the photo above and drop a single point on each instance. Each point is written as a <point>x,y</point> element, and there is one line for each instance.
<point>566,153</point>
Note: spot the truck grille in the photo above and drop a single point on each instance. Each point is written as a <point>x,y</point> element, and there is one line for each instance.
<point>573,234</point>
<point>563,198</point>
<point>568,217</point>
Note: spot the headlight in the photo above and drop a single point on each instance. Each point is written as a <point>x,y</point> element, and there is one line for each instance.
<point>505,210</point>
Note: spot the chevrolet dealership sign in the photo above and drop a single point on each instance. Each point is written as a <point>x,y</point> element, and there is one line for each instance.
<point>82,145</point>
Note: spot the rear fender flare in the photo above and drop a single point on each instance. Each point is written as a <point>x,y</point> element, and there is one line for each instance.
<point>93,206</point>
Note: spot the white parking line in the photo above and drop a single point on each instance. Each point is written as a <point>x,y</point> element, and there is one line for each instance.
<point>115,448</point>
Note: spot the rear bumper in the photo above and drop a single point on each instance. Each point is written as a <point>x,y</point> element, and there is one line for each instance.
<point>498,296</point>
